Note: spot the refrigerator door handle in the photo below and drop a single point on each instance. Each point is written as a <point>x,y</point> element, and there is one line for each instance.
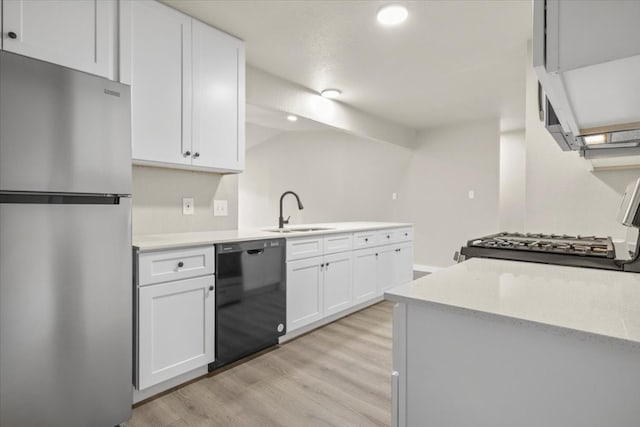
<point>59,199</point>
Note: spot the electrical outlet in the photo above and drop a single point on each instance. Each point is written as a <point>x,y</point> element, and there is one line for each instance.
<point>472,194</point>
<point>220,208</point>
<point>394,196</point>
<point>188,206</point>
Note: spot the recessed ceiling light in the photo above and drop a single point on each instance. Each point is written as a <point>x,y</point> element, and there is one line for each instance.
<point>595,139</point>
<point>331,93</point>
<point>392,14</point>
<point>292,118</point>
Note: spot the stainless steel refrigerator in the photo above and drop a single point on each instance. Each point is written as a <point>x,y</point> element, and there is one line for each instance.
<point>65,247</point>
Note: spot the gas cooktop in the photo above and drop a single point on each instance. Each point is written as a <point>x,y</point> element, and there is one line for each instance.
<point>559,249</point>
<point>592,246</point>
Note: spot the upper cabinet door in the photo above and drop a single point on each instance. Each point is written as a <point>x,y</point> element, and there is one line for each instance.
<point>160,75</point>
<point>218,99</point>
<point>78,34</point>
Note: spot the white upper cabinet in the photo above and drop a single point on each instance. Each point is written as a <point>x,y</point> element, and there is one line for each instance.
<point>160,55</point>
<point>188,95</point>
<point>79,34</point>
<point>218,99</point>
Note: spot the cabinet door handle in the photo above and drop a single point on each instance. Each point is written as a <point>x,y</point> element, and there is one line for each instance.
<point>376,254</point>
<point>210,288</point>
<point>406,234</point>
<point>12,35</point>
<point>180,264</point>
<point>327,265</point>
<point>540,103</point>
<point>186,154</point>
<point>196,155</point>
<point>388,237</point>
<point>366,239</point>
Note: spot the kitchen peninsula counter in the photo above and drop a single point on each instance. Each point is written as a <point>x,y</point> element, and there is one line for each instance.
<point>504,343</point>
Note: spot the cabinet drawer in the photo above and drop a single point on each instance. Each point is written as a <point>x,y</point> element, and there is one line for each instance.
<point>176,264</point>
<point>304,247</point>
<point>365,239</point>
<point>388,236</point>
<point>338,243</point>
<point>395,235</point>
<point>403,234</point>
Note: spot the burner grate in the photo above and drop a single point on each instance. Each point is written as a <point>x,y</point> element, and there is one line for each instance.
<point>549,243</point>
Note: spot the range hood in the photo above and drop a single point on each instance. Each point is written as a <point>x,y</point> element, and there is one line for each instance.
<point>587,59</point>
<point>594,143</point>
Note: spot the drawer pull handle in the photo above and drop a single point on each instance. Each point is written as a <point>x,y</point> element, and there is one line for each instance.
<point>12,35</point>
<point>388,237</point>
<point>180,264</point>
<point>366,239</point>
<point>327,265</point>
<point>406,234</point>
<point>210,288</point>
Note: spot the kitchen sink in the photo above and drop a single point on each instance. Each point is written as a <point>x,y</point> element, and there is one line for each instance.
<point>298,229</point>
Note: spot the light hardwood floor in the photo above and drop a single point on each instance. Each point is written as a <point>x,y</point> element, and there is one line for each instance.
<point>337,375</point>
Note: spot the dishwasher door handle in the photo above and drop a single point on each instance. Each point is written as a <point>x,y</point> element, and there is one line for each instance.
<point>255,251</point>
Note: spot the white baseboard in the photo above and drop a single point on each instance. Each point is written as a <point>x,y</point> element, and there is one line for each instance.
<point>426,268</point>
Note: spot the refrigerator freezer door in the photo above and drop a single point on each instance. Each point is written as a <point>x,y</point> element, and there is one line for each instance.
<point>65,314</point>
<point>62,130</point>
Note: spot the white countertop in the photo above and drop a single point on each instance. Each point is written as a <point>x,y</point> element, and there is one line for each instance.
<point>149,242</point>
<point>601,302</point>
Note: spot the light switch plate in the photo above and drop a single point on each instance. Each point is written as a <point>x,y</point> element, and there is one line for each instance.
<point>220,208</point>
<point>188,206</point>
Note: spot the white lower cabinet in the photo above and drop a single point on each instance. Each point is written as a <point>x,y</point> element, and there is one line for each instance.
<point>317,287</point>
<point>175,317</point>
<point>403,263</point>
<point>376,270</point>
<point>175,328</point>
<point>385,268</point>
<point>337,283</point>
<point>365,273</point>
<point>304,292</point>
<point>325,276</point>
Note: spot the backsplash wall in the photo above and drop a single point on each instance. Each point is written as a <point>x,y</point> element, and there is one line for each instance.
<point>157,200</point>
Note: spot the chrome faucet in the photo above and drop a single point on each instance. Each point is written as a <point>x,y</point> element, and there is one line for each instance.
<point>281,220</point>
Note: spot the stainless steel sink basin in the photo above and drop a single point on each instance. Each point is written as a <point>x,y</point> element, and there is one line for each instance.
<point>297,229</point>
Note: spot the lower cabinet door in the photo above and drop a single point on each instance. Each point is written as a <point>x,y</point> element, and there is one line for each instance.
<point>403,264</point>
<point>364,275</point>
<point>304,292</point>
<point>386,277</point>
<point>337,282</point>
<point>175,329</point>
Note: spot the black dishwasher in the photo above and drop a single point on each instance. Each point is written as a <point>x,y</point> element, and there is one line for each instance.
<point>251,298</point>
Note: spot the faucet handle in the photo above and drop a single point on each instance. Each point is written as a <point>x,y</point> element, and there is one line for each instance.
<point>286,221</point>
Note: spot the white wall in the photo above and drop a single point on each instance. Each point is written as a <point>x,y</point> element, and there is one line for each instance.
<point>157,200</point>
<point>448,163</point>
<point>339,177</point>
<point>563,195</point>
<point>512,181</point>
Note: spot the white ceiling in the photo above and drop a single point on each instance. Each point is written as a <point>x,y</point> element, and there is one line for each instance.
<point>263,124</point>
<point>452,61</point>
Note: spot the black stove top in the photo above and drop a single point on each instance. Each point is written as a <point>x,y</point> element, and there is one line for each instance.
<point>601,247</point>
<point>577,251</point>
